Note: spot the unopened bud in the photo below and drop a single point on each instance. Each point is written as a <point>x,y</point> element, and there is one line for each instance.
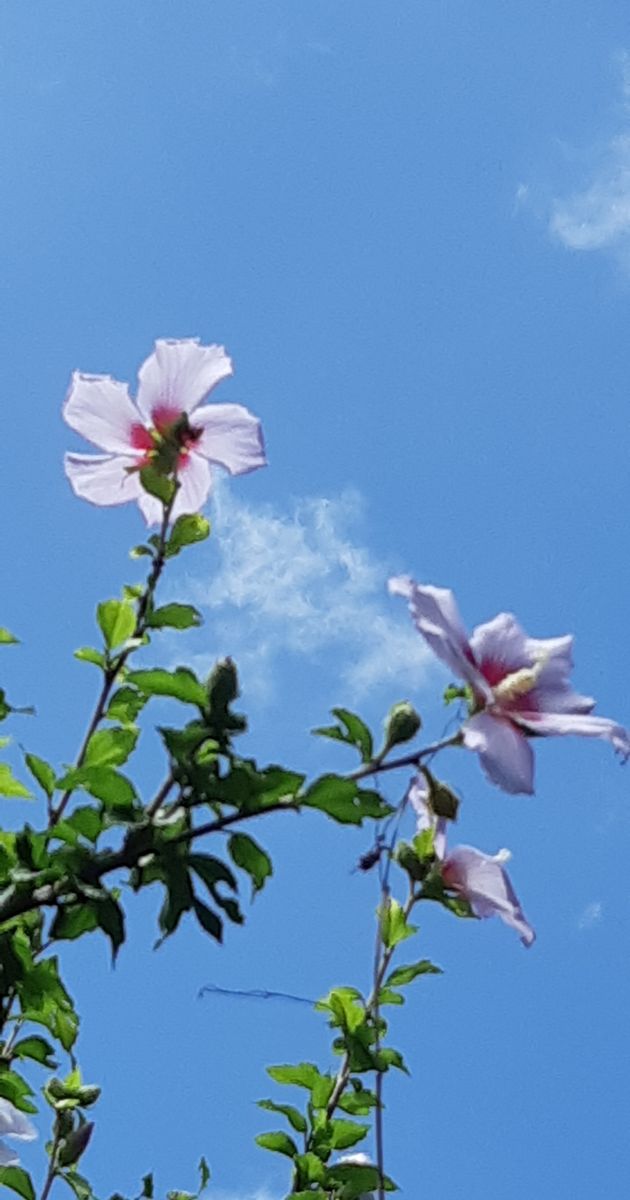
<point>444,802</point>
<point>223,684</point>
<point>74,1145</point>
<point>409,861</point>
<point>402,724</point>
<point>88,1095</point>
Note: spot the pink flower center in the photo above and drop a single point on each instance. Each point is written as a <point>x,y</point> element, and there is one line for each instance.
<point>169,426</point>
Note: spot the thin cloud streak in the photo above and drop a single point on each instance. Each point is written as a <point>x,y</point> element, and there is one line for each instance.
<point>597,216</point>
<point>300,584</point>
<point>591,915</point>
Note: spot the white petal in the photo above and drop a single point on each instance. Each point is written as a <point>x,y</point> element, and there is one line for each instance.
<point>100,409</point>
<point>103,478</point>
<point>502,643</point>
<point>179,374</point>
<point>8,1156</point>
<point>504,752</point>
<point>548,724</point>
<point>232,437</point>
<point>487,887</point>
<point>436,616</point>
<point>195,485</point>
<point>14,1123</point>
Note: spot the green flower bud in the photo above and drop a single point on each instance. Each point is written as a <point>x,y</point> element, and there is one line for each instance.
<point>74,1145</point>
<point>222,685</point>
<point>402,724</point>
<point>408,859</point>
<point>88,1095</point>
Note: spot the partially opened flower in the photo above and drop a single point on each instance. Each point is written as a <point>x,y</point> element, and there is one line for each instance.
<point>174,381</point>
<point>479,878</point>
<point>520,686</point>
<point>14,1124</point>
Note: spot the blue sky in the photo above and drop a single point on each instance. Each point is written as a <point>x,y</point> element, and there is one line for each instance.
<point>410,225</point>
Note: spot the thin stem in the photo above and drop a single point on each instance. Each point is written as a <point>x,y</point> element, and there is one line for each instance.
<point>377,767</point>
<point>112,671</point>
<point>52,1169</point>
<point>160,797</point>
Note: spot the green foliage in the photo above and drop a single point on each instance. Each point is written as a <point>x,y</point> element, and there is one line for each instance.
<point>344,801</point>
<point>158,485</point>
<point>401,724</point>
<point>7,638</point>
<point>89,655</point>
<point>42,772</point>
<point>188,529</point>
<point>250,857</point>
<point>10,786</point>
<point>394,924</point>
<point>117,621</point>
<point>181,684</point>
<point>17,1180</point>
<point>174,616</point>
<point>293,1115</point>
<point>279,1142</point>
<point>351,730</point>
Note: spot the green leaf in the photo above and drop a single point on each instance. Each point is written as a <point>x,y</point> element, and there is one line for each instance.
<point>388,996</point>
<point>111,920</point>
<point>110,747</point>
<point>10,786</point>
<point>117,621</point>
<point>293,1115</point>
<point>125,705</point>
<point>189,528</point>
<point>406,974</point>
<point>279,1142</point>
<point>18,1180</point>
<point>204,1174</point>
<point>347,1008</point>
<point>72,921</point>
<point>352,731</point>
<point>90,655</point>
<point>311,1169</point>
<point>36,1048</point>
<point>301,1075</point>
<point>157,485</point>
<point>344,801</point>
<point>14,1088</point>
<point>358,1102</point>
<point>345,1134</point>
<point>250,857</point>
<point>175,616</point>
<point>394,926</point>
<point>212,870</point>
<point>42,772</point>
<point>7,638</point>
<point>140,552</point>
<point>84,822</point>
<point>208,920</point>
<point>181,684</point>
<point>114,790</point>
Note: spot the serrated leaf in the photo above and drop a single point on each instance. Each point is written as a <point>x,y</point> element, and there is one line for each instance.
<point>175,616</point>
<point>293,1115</point>
<point>10,786</point>
<point>117,621</point>
<point>299,1075</point>
<point>181,684</point>
<point>357,732</point>
<point>406,974</point>
<point>250,857</point>
<point>344,801</point>
<point>279,1142</point>
<point>37,1049</point>
<point>106,784</point>
<point>110,747</point>
<point>42,772</point>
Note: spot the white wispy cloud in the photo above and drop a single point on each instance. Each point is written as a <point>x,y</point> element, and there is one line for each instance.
<point>300,583</point>
<point>596,216</point>
<point>257,1195</point>
<point>591,915</point>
